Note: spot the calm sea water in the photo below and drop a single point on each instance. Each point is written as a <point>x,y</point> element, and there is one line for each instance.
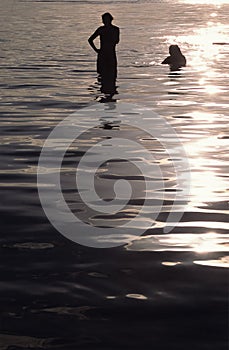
<point>162,290</point>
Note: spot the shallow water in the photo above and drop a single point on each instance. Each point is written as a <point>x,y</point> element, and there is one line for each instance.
<point>159,290</point>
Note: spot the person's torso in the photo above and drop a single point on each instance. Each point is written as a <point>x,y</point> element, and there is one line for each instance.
<point>108,37</point>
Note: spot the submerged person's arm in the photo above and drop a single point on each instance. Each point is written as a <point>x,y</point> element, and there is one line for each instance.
<point>167,60</point>
<point>92,38</point>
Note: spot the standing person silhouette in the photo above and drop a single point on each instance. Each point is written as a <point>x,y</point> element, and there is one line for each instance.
<point>106,60</point>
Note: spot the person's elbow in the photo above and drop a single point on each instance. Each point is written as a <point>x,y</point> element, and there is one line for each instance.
<point>90,40</point>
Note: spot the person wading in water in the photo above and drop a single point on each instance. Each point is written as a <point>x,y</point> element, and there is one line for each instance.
<point>106,60</point>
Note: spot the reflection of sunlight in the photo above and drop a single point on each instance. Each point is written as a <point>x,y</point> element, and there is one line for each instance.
<point>136,296</point>
<point>204,187</point>
<point>203,53</point>
<point>170,263</point>
<point>203,116</point>
<point>206,184</point>
<point>204,38</point>
<point>199,243</point>
<point>210,89</point>
<point>207,243</point>
<point>209,2</point>
<point>221,262</point>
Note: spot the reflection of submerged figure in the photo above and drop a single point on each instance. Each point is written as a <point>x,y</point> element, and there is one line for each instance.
<point>176,60</point>
<point>106,61</point>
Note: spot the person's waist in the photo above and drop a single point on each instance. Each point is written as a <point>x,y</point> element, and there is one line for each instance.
<point>107,48</point>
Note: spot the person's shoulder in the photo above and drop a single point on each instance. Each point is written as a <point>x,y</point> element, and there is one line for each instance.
<point>115,27</point>
<point>99,29</point>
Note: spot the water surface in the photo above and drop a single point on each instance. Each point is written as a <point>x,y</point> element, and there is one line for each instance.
<point>156,291</point>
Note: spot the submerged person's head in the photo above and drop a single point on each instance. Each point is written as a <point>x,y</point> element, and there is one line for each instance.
<point>107,18</point>
<point>174,50</point>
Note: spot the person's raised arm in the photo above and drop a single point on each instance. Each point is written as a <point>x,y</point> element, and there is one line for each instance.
<point>92,38</point>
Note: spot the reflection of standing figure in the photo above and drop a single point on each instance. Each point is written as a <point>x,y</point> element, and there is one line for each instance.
<point>176,60</point>
<point>106,61</point>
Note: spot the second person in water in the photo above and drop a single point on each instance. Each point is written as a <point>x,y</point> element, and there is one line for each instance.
<point>176,60</point>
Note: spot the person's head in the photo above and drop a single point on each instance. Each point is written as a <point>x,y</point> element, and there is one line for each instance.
<point>174,50</point>
<point>107,18</point>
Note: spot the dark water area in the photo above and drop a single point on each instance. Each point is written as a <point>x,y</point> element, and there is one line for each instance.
<point>159,290</point>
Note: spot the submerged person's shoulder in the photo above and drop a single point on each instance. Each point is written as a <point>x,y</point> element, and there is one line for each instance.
<point>182,60</point>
